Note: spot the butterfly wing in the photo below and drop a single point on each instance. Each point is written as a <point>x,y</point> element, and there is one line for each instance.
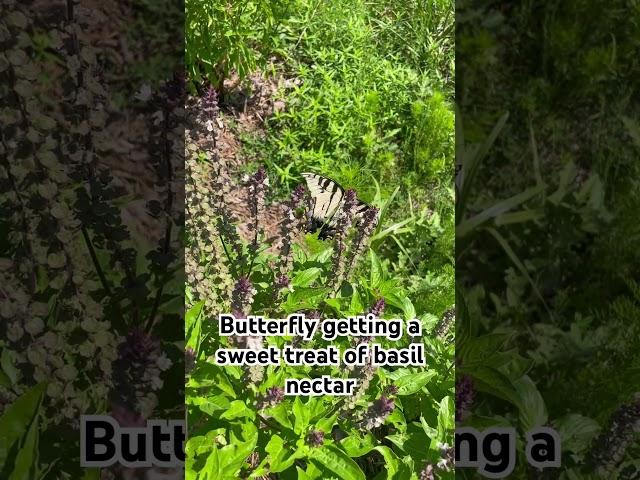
<point>327,198</point>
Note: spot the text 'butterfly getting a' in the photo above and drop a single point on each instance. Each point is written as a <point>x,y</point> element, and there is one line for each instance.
<point>330,201</point>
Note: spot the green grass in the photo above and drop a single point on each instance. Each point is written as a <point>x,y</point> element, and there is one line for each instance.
<point>373,110</point>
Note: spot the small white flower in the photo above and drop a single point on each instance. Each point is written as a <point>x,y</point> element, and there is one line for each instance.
<point>54,389</point>
<point>7,309</point>
<point>163,362</point>
<point>39,375</point>
<point>147,405</point>
<point>87,349</point>
<point>34,326</point>
<point>14,331</point>
<point>36,357</point>
<point>57,361</point>
<point>101,339</point>
<point>144,93</point>
<point>89,325</point>
<point>69,412</point>
<point>69,391</point>
<point>156,383</point>
<point>68,372</point>
<point>106,366</point>
<point>50,340</point>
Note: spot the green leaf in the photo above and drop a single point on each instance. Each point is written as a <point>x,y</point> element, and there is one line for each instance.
<point>91,474</point>
<point>338,462</point>
<point>377,274</point>
<point>26,464</point>
<point>494,382</point>
<point>408,309</point>
<point>232,456</point>
<point>533,411</point>
<point>237,409</point>
<point>468,226</point>
<point>396,470</point>
<point>413,382</point>
<point>304,299</point>
<point>446,419</point>
<point>212,466</point>
<point>210,375</point>
<point>391,461</point>
<point>479,349</point>
<point>281,413</point>
<point>7,366</point>
<point>193,326</point>
<point>16,419</point>
<point>576,432</point>
<point>326,423</point>
<point>210,405</point>
<point>301,416</point>
<point>306,277</point>
<point>275,449</point>
<point>516,261</point>
<point>356,446</point>
<point>471,158</point>
<point>280,457</point>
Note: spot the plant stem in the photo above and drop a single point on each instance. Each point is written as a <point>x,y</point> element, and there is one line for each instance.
<point>94,259</point>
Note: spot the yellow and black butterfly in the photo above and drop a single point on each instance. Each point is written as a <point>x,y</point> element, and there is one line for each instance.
<point>328,199</point>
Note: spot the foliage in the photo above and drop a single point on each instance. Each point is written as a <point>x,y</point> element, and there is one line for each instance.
<point>366,90</point>
<point>547,264</point>
<point>358,110</point>
<point>223,37</point>
<point>240,421</point>
<point>84,303</point>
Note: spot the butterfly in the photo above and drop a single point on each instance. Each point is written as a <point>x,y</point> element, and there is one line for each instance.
<point>328,200</point>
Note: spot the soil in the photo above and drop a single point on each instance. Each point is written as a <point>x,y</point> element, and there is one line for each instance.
<point>244,110</point>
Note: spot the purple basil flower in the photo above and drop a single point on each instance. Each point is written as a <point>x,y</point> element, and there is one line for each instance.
<point>377,413</point>
<point>378,308</point>
<point>210,102</point>
<point>464,397</point>
<point>126,417</point>
<point>384,405</point>
<point>297,196</point>
<point>189,359</point>
<point>315,438</point>
<point>427,473</point>
<point>242,296</point>
<point>138,347</point>
<point>443,327</point>
<point>257,185</point>
<point>365,228</point>
<point>611,446</point>
<point>291,224</point>
<point>282,281</point>
<point>447,457</point>
<point>275,394</point>
<point>345,220</point>
<point>271,398</point>
<point>260,176</point>
<point>349,199</point>
<point>391,390</point>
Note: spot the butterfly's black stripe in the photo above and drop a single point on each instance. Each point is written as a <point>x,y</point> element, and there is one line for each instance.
<point>362,207</point>
<point>330,204</point>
